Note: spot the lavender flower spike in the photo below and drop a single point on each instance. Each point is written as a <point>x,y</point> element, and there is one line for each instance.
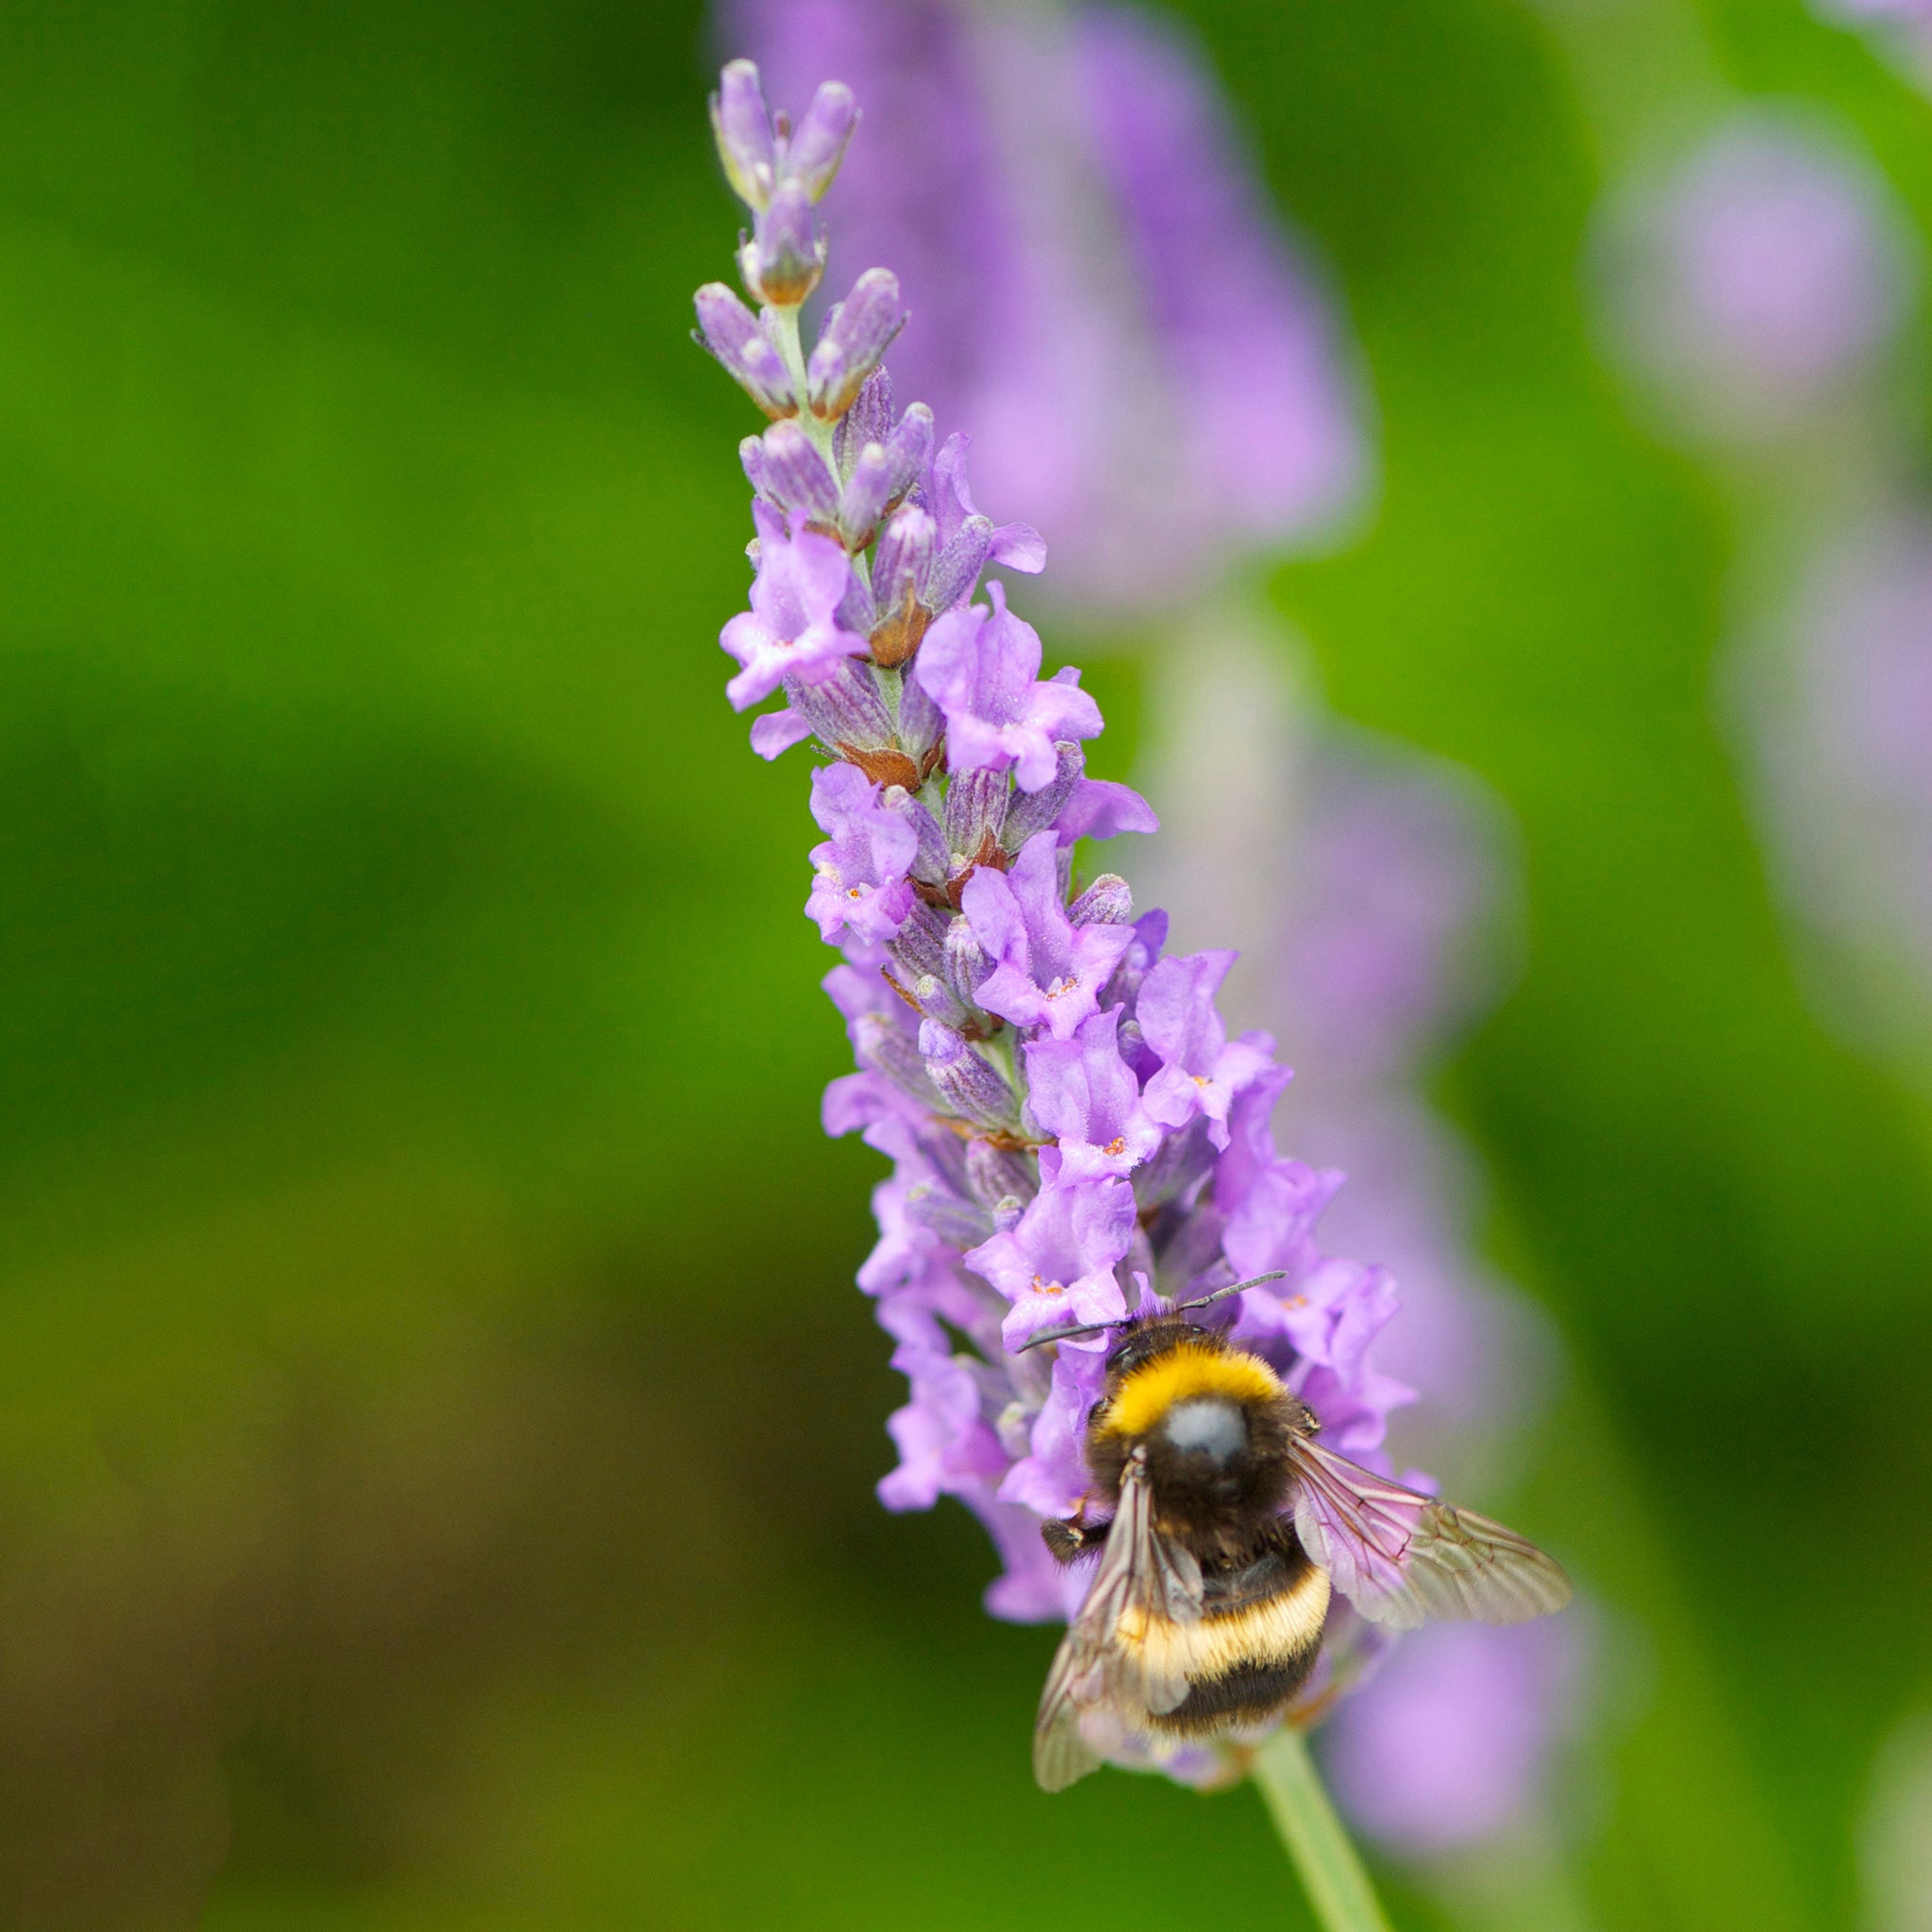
<point>1071,1133</point>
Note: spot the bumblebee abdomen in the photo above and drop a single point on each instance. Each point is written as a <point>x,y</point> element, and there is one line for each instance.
<point>1252,1647</point>
<point>1251,1695</point>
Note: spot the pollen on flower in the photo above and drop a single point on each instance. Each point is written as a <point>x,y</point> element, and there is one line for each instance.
<point>1040,1287</point>
<point>1117,1146</point>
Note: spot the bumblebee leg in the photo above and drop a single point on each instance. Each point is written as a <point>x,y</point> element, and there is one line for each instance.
<point>1068,1542</point>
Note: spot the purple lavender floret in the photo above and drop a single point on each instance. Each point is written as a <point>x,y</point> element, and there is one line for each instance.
<point>1056,1264</point>
<point>1201,1070</point>
<point>860,887</point>
<point>792,629</point>
<point>1072,1132</point>
<point>981,666</point>
<point>1048,975</point>
<point>1088,1098</point>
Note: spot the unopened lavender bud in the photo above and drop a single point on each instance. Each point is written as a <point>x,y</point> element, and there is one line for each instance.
<point>937,1001</point>
<point>966,960</point>
<point>908,448</point>
<point>880,1045</point>
<point>867,492</point>
<point>997,1174</point>
<point>974,1088</point>
<point>1108,901</point>
<point>922,724</point>
<point>751,454</point>
<point>731,332</point>
<point>976,814</point>
<point>818,144</point>
<point>957,571</point>
<point>899,571</point>
<point>919,947</point>
<point>856,335</point>
<point>857,613</point>
<point>904,556</point>
<point>744,128</point>
<point>869,419</point>
<point>786,255</point>
<point>933,861</point>
<point>1034,811</point>
<point>795,475</point>
<point>958,1223</point>
<point>844,707</point>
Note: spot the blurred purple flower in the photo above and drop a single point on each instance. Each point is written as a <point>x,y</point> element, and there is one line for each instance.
<point>1074,221</point>
<point>1759,280</point>
<point>1901,29</point>
<point>1842,726</point>
<point>1451,1742</point>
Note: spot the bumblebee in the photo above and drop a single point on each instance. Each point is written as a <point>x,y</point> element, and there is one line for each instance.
<point>1228,1531</point>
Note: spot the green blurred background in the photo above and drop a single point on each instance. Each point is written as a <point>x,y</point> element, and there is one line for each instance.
<point>438,1427</point>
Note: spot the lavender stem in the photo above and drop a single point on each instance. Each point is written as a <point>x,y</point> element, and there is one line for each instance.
<point>1332,1874</point>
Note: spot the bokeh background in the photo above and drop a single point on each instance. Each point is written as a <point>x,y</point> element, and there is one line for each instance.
<point>439,1429</point>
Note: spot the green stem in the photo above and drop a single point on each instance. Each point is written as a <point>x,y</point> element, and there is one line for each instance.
<point>1337,1888</point>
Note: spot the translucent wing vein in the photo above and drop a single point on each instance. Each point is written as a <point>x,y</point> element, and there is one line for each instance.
<point>1402,1558</point>
<point>1104,1677</point>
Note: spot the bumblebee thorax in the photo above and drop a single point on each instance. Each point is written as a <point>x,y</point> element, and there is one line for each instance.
<point>1210,1426</point>
<point>1213,1422</point>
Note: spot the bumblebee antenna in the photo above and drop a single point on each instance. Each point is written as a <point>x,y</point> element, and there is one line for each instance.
<point>1220,1294</point>
<point>1048,1334</point>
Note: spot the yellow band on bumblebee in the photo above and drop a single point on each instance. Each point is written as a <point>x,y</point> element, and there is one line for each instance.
<point>1181,1374</point>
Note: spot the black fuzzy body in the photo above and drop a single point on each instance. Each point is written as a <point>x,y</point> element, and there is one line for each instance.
<point>1262,1599</point>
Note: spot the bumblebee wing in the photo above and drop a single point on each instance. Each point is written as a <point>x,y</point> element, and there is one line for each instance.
<point>1104,1668</point>
<point>1402,1559</point>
